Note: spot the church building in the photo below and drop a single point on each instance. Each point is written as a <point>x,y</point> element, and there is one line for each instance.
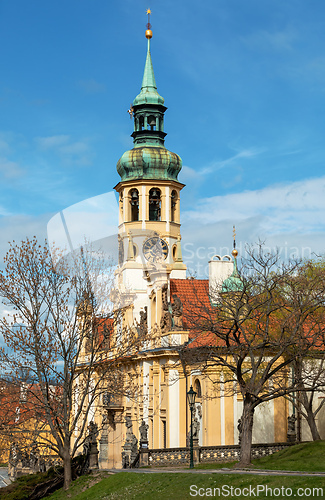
<point>152,277</point>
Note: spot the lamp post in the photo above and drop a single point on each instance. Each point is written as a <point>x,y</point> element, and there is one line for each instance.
<point>191,401</point>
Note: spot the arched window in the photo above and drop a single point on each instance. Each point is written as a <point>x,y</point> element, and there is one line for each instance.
<point>173,205</point>
<point>153,310</point>
<point>152,122</point>
<point>141,122</point>
<point>197,388</point>
<point>121,202</point>
<point>154,204</point>
<point>134,203</point>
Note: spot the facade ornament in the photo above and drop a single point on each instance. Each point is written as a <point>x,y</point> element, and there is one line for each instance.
<point>130,448</point>
<point>90,447</point>
<point>129,428</point>
<point>196,428</point>
<point>130,247</point>
<point>106,337</point>
<point>177,308</point>
<point>240,429</point>
<point>179,257</point>
<point>144,321</point>
<point>143,429</point>
<point>291,434</point>
<point>166,321</point>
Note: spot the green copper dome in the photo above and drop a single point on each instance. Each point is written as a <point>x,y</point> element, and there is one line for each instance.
<point>149,159</point>
<point>149,163</point>
<point>234,282</point>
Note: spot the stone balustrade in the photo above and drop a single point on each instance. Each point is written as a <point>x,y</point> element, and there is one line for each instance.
<point>205,454</point>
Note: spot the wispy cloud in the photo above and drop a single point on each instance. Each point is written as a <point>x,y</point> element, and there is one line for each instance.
<point>54,141</point>
<point>217,165</point>
<point>241,155</point>
<point>275,40</point>
<point>91,86</point>
<point>4,146</point>
<point>10,169</point>
<point>70,151</point>
<point>299,205</point>
<point>18,227</point>
<point>39,102</point>
<point>289,218</point>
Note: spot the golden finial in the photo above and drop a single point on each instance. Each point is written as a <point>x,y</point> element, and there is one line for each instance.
<point>148,31</point>
<point>234,252</point>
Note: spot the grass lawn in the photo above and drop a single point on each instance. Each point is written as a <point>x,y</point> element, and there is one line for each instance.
<point>308,457</point>
<point>170,486</point>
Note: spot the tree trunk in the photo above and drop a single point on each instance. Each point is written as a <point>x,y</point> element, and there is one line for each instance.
<point>67,470</point>
<point>312,425</point>
<point>246,433</point>
<point>307,403</point>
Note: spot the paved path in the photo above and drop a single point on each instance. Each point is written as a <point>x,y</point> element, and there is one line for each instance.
<point>4,478</point>
<point>259,472</point>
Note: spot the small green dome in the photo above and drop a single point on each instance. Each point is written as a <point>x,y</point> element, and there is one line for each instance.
<point>149,163</point>
<point>234,282</point>
<point>148,95</point>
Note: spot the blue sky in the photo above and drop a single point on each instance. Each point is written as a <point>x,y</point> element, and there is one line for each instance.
<point>244,83</point>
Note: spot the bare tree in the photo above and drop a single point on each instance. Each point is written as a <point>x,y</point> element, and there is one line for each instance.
<point>61,328</point>
<point>270,314</point>
<point>309,376</point>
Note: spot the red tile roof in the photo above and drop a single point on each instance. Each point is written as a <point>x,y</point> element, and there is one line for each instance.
<point>103,324</point>
<point>194,295</point>
<point>199,315</point>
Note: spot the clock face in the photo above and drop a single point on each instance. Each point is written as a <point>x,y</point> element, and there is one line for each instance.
<point>155,249</point>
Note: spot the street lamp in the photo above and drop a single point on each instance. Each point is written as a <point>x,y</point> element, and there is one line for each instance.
<point>191,401</point>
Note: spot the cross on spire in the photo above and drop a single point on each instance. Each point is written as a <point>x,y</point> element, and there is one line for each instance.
<point>148,24</point>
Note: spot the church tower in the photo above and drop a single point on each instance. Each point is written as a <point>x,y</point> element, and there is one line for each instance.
<point>149,197</point>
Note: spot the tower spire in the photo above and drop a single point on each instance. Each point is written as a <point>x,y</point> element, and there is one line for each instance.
<point>148,94</point>
<point>149,159</point>
<point>234,283</point>
<point>148,81</point>
<point>235,252</point>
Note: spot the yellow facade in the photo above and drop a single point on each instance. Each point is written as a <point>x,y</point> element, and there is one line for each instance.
<point>150,257</point>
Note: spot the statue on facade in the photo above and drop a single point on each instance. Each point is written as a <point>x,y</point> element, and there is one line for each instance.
<point>134,448</point>
<point>92,432</point>
<point>129,430</point>
<point>130,448</point>
<point>33,457</point>
<point>177,308</point>
<point>25,459</point>
<point>240,429</point>
<point>166,321</point>
<point>291,424</point>
<point>106,337</point>
<point>291,434</point>
<point>90,445</point>
<point>144,321</point>
<point>196,428</point>
<point>143,429</point>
